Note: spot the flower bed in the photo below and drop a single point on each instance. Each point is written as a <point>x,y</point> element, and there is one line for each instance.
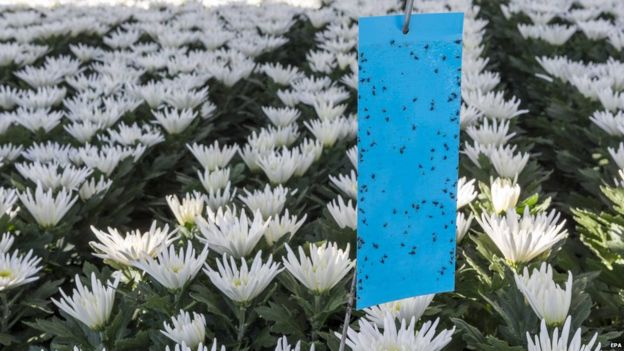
<point>185,178</point>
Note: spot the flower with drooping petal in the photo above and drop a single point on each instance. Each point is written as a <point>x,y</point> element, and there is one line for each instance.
<point>405,309</point>
<point>521,239</point>
<point>132,246</point>
<point>322,269</point>
<point>91,307</point>
<point>186,330</point>
<point>549,301</point>
<point>245,283</point>
<point>17,270</point>
<point>173,270</point>
<point>372,338</point>
<point>544,342</point>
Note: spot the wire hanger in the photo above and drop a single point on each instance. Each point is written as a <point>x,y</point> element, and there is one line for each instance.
<point>409,7</point>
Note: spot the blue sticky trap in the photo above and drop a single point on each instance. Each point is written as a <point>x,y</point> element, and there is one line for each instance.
<point>408,144</point>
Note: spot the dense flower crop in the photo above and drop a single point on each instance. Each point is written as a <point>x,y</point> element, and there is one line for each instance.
<point>184,177</point>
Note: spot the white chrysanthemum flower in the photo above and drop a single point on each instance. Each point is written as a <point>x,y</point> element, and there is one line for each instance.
<point>226,231</point>
<point>550,302</point>
<point>35,119</point>
<point>495,133</point>
<point>49,176</point>
<point>173,270</point>
<point>611,123</point>
<point>280,226</point>
<point>46,208</point>
<point>465,192</point>
<point>270,202</point>
<point>280,166</point>
<point>200,347</point>
<point>544,342</point>
<point>185,211</point>
<point>220,198</point>
<point>345,214</point>
<point>49,151</point>
<point>554,34</point>
<point>327,111</point>
<point>326,266</point>
<point>469,115</point>
<point>83,131</point>
<point>186,99</point>
<point>10,152</point>
<point>8,198</point>
<point>186,330</point>
<point>326,131</point>
<point>6,242</point>
<point>348,184</point>
<point>521,239</point>
<point>42,98</point>
<point>371,338</point>
<point>245,283</point>
<point>485,81</point>
<point>618,155</point>
<point>207,110</point>
<point>310,147</point>
<point>174,121</point>
<point>352,154</point>
<point>280,74</point>
<point>506,163</point>
<point>493,104</point>
<point>463,225</point>
<point>214,180</point>
<point>404,309</point>
<point>505,194</point>
<point>91,307</point>
<point>283,345</point>
<point>281,116</point>
<point>128,135</point>
<point>16,269</point>
<point>104,159</point>
<point>213,157</point>
<point>133,245</point>
<point>90,188</point>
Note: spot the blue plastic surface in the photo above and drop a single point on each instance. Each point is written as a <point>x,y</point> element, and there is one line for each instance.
<point>408,144</point>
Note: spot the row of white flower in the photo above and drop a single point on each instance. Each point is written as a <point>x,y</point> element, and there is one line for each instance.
<point>486,120</point>
<point>580,16</point>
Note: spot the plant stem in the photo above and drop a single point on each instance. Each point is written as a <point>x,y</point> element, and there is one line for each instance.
<point>315,320</point>
<point>5,311</point>
<point>242,312</point>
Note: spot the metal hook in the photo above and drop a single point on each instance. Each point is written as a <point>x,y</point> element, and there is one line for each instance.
<point>409,7</point>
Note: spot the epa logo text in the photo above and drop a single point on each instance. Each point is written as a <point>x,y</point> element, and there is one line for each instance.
<point>615,346</point>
